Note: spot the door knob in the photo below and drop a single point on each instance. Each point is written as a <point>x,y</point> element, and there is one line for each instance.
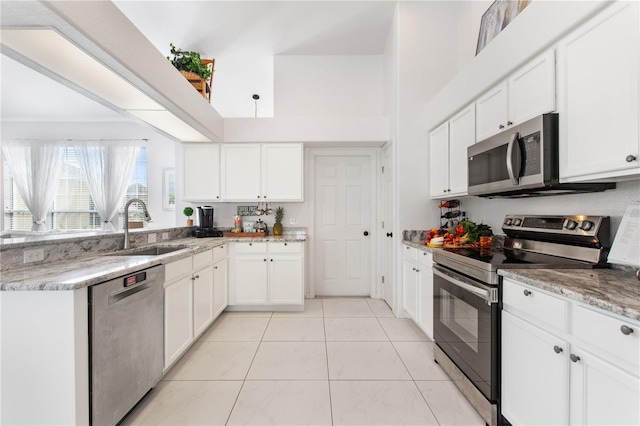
<point>366,233</point>
<point>389,234</point>
<point>626,330</point>
<point>557,349</point>
<point>527,292</point>
<point>630,158</point>
<point>574,358</point>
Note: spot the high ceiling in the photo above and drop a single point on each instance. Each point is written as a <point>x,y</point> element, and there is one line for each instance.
<point>243,37</point>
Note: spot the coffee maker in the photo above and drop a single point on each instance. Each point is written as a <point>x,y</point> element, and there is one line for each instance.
<point>205,223</point>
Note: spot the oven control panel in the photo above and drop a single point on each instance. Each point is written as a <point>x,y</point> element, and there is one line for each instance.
<point>567,225</point>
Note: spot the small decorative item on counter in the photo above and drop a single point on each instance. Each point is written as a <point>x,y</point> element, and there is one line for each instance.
<point>248,227</point>
<point>261,227</point>
<point>188,212</point>
<point>237,224</point>
<point>277,227</point>
<point>464,234</point>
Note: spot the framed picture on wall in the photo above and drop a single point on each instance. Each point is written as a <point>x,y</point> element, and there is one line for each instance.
<point>500,14</point>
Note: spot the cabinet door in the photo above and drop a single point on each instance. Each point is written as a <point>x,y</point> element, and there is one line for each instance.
<point>602,394</point>
<point>220,292</point>
<point>286,280</point>
<point>439,161</point>
<point>250,280</point>
<point>410,288</point>
<point>534,375</point>
<point>178,319</point>
<point>598,79</point>
<point>282,176</point>
<point>202,299</point>
<point>491,112</point>
<point>425,293</point>
<point>201,172</point>
<point>462,133</point>
<point>532,89</point>
<point>240,172</point>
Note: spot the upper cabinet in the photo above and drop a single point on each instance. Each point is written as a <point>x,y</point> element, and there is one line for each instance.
<point>598,97</point>
<point>448,154</point>
<point>528,92</point>
<point>262,172</point>
<point>201,172</point>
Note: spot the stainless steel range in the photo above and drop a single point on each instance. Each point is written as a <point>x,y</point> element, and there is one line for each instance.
<point>467,293</point>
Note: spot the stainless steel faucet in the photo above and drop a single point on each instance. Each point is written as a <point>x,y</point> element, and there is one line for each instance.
<point>147,217</point>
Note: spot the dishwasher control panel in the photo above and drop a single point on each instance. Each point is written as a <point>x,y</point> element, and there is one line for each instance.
<point>135,279</point>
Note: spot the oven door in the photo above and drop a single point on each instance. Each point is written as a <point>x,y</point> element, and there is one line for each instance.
<point>466,319</point>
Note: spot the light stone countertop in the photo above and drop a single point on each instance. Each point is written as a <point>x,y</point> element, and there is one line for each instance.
<point>86,271</point>
<point>612,290</point>
<point>419,246</point>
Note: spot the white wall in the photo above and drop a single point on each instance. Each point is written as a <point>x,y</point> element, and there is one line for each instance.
<point>160,150</point>
<point>328,86</point>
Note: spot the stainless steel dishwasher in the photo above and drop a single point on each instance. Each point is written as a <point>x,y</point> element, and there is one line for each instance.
<point>126,318</point>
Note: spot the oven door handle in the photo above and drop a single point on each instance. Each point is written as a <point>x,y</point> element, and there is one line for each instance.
<point>489,294</point>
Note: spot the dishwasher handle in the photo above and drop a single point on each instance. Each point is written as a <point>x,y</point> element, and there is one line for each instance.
<point>116,297</point>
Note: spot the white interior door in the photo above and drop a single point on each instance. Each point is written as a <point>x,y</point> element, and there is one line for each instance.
<point>387,219</point>
<point>343,225</point>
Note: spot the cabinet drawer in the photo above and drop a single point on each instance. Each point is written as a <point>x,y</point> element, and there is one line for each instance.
<point>250,248</point>
<point>425,258</point>
<point>410,253</point>
<point>219,252</point>
<point>607,334</point>
<point>285,247</point>
<point>177,269</point>
<point>541,307</point>
<point>201,259</point>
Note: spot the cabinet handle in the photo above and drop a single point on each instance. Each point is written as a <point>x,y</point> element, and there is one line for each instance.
<point>265,260</point>
<point>509,123</point>
<point>285,244</point>
<point>215,267</point>
<point>264,196</point>
<point>501,126</point>
<point>444,190</point>
<point>272,260</point>
<point>407,247</point>
<point>195,277</point>
<point>417,270</point>
<point>631,158</point>
<point>258,196</point>
<point>574,358</point>
<point>217,196</point>
<point>557,349</point>
<point>449,190</point>
<point>413,269</point>
<point>250,244</point>
<point>527,292</point>
<point>626,330</point>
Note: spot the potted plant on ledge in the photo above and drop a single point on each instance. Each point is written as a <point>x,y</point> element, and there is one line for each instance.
<point>197,71</point>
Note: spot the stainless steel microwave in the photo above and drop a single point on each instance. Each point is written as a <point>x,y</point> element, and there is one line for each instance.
<point>522,161</point>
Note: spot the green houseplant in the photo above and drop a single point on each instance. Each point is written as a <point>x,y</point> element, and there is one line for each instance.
<point>277,227</point>
<point>188,212</point>
<point>189,61</point>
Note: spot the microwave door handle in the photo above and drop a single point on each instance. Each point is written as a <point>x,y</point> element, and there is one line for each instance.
<point>514,158</point>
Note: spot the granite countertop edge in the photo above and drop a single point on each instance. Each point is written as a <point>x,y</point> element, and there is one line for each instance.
<point>419,246</point>
<point>610,290</point>
<point>86,271</point>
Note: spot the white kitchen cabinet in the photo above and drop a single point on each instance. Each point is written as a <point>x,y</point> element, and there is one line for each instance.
<point>202,299</point>
<point>598,73</point>
<point>525,94</point>
<point>262,172</point>
<point>201,172</point>
<point>425,292</point>
<point>266,274</point>
<point>417,287</point>
<point>220,281</point>
<point>534,375</point>
<point>601,393</point>
<point>178,319</point>
<point>410,287</point>
<point>583,374</point>
<point>282,175</point>
<point>190,299</point>
<point>448,145</point>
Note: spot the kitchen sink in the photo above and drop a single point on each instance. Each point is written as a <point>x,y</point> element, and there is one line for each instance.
<point>150,251</point>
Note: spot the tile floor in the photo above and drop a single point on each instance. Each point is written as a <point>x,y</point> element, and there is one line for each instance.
<point>343,361</point>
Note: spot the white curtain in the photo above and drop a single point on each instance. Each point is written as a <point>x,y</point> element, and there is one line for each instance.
<point>108,167</point>
<point>35,166</point>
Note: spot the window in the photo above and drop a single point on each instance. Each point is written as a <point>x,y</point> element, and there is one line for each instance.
<point>73,206</point>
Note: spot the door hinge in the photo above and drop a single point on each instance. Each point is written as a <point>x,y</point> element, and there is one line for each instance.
<point>383,279</point>
<point>383,224</point>
<point>382,169</point>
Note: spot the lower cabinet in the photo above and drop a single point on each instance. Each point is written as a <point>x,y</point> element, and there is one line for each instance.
<point>266,274</point>
<point>417,285</point>
<point>585,374</point>
<point>195,294</point>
